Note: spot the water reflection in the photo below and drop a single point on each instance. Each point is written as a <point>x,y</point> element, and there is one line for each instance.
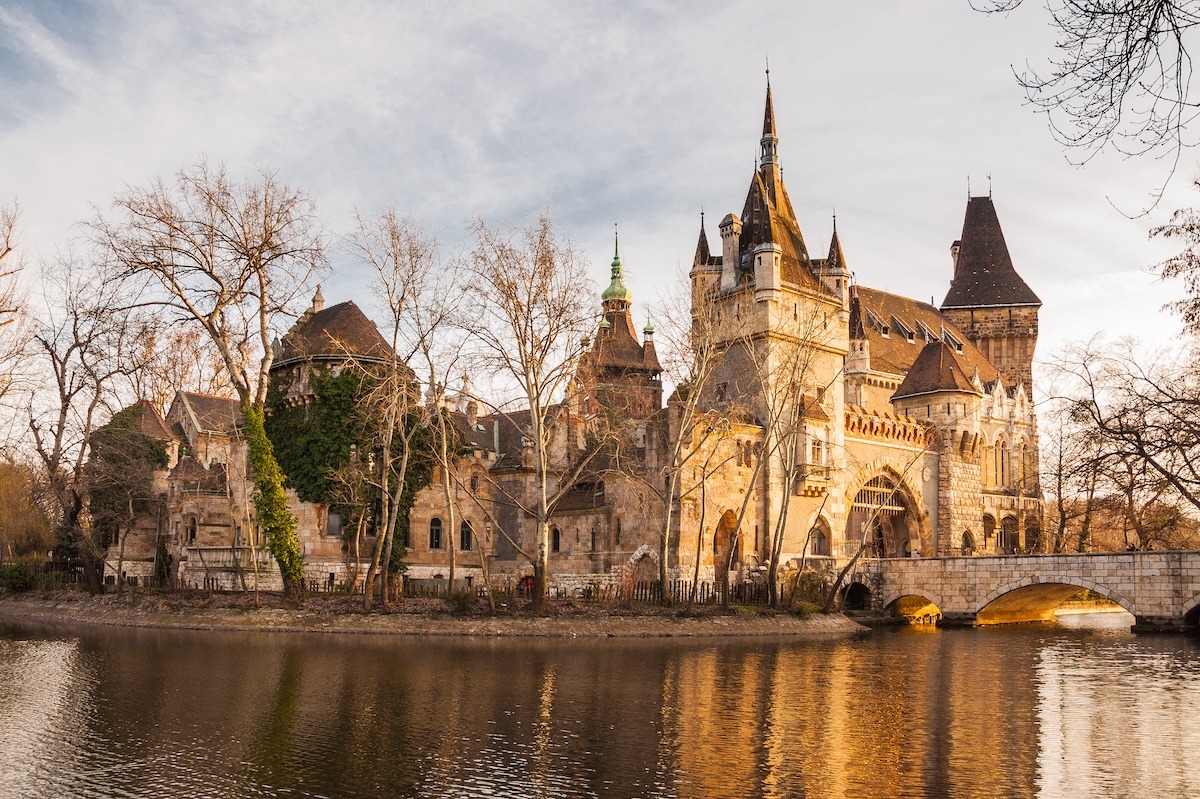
<point>1015,712</point>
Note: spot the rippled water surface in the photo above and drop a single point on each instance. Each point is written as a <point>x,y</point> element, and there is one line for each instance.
<point>1084,709</point>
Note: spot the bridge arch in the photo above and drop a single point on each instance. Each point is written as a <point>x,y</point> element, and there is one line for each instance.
<point>1191,612</point>
<point>1033,599</point>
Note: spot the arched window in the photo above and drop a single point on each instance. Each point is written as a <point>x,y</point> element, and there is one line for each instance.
<point>435,533</point>
<point>1010,536</point>
<point>192,528</point>
<point>555,540</point>
<point>989,530</point>
<point>466,537</point>
<point>968,543</point>
<point>1000,465</point>
<point>820,543</point>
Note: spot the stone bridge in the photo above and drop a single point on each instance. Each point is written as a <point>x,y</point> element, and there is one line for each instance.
<point>1160,589</point>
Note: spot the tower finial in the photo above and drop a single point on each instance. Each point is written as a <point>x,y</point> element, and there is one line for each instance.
<point>835,219</point>
<point>616,289</point>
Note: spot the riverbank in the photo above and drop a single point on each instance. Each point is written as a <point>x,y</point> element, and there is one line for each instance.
<point>421,617</point>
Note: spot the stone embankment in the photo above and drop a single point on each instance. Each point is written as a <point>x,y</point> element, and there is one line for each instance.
<point>410,617</point>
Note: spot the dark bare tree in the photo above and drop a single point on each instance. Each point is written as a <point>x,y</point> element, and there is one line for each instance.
<point>1122,77</point>
<point>85,345</point>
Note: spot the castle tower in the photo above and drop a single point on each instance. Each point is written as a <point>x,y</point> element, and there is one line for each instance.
<point>988,300</point>
<point>939,387</point>
<point>619,372</point>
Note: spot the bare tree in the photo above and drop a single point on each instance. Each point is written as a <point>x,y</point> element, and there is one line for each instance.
<point>229,257</point>
<point>85,346</point>
<point>14,324</point>
<point>405,264</point>
<point>1141,409</point>
<point>1122,76</point>
<point>180,358</point>
<point>529,297</point>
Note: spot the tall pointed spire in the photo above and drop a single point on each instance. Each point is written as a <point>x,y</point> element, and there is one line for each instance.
<point>770,141</point>
<point>616,289</point>
<point>703,254</point>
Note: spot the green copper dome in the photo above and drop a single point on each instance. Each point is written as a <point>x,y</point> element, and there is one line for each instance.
<point>616,289</point>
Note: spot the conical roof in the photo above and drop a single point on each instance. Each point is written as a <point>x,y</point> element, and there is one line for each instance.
<point>703,254</point>
<point>937,368</point>
<point>983,273</point>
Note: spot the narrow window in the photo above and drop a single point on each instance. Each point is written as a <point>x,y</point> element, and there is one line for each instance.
<point>466,539</point>
<point>555,540</point>
<point>333,524</point>
<point>192,529</point>
<point>435,533</point>
<point>618,531</point>
<point>474,483</point>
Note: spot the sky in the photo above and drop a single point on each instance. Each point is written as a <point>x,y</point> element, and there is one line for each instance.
<point>599,113</point>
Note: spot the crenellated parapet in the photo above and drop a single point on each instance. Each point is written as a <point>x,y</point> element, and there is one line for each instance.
<point>890,428</point>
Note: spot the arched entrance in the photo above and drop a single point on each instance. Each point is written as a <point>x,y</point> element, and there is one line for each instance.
<point>882,517</point>
<point>722,541</point>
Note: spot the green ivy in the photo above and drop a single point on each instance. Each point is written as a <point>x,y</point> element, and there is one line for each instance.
<point>270,502</point>
<point>313,440</point>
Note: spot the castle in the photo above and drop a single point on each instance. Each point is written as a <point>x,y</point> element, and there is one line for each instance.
<point>837,418</point>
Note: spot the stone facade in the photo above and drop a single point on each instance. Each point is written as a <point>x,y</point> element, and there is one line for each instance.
<point>837,417</point>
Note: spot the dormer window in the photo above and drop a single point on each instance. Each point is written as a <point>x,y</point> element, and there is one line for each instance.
<point>877,323</point>
<point>925,332</point>
<point>949,338</point>
<point>903,329</point>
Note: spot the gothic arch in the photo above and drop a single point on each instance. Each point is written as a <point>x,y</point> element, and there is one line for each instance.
<point>919,532</point>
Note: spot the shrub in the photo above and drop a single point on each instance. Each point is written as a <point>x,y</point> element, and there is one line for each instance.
<point>15,577</point>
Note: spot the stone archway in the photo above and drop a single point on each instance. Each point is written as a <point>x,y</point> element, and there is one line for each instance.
<point>1031,599</point>
<point>723,539</point>
<point>885,514</point>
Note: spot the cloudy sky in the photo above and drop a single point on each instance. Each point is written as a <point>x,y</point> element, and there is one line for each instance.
<point>639,114</point>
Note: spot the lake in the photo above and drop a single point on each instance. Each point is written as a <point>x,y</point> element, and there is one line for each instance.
<point>1078,709</point>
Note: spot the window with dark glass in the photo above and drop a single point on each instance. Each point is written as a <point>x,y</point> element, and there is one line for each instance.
<point>435,533</point>
<point>466,539</point>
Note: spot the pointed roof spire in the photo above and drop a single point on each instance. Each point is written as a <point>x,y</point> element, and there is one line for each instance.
<point>770,140</point>
<point>703,254</point>
<point>616,289</point>
<point>837,259</point>
<point>318,300</point>
<point>769,112</point>
<point>983,272</point>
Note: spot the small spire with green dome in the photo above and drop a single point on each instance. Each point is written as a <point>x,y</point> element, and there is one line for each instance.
<point>616,289</point>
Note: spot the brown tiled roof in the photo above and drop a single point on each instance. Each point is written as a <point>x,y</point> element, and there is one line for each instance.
<point>149,422</point>
<point>894,353</point>
<point>938,368</point>
<point>813,409</point>
<point>617,346</point>
<point>212,414</point>
<point>340,331</point>
<point>476,438</point>
<point>983,274</point>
